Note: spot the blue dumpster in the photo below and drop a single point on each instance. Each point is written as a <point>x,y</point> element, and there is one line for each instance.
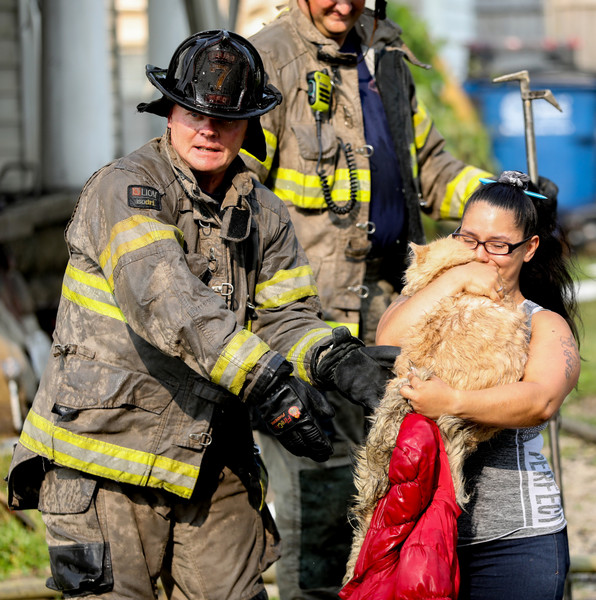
<point>565,141</point>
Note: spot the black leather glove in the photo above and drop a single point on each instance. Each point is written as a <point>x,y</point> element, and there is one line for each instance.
<point>358,373</point>
<point>289,408</point>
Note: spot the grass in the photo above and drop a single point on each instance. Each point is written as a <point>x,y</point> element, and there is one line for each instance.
<point>587,380</point>
<point>586,387</point>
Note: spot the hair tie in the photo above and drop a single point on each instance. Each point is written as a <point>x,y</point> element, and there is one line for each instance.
<point>515,179</point>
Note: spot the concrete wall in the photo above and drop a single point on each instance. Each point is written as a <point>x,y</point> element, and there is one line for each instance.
<point>574,21</point>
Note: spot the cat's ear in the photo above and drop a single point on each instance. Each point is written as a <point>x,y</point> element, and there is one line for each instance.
<point>417,250</point>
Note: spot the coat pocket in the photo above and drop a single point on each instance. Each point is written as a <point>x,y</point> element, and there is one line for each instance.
<point>308,141</point>
<point>66,491</point>
<point>85,384</point>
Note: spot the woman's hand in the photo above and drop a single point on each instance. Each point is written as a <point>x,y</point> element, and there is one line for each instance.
<point>431,398</point>
<point>478,278</point>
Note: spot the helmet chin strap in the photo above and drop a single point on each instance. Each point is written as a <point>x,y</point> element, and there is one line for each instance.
<point>309,12</point>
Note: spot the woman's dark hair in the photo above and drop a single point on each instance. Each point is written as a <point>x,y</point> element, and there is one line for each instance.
<point>547,279</point>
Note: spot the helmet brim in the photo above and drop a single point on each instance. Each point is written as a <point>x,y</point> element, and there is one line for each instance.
<point>271,98</point>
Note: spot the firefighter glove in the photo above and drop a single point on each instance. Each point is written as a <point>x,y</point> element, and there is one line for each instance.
<point>290,407</point>
<point>358,373</point>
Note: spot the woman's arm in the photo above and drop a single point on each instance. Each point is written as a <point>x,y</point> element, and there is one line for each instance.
<point>475,277</point>
<point>551,373</point>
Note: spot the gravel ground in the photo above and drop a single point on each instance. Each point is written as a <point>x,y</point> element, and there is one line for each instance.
<point>578,461</point>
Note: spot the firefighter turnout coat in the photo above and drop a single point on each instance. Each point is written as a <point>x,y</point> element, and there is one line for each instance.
<point>172,306</point>
<point>434,182</point>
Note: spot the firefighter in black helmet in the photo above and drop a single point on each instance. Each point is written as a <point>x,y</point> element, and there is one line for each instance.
<point>219,74</point>
<point>186,300</point>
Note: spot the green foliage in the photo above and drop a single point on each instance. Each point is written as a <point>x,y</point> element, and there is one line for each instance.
<point>587,378</point>
<point>586,387</point>
<point>467,139</point>
<point>23,552</point>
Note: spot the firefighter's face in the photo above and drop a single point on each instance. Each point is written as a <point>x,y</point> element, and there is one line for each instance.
<point>206,145</point>
<point>333,18</point>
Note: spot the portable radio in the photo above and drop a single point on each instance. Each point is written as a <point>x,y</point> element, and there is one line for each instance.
<point>319,98</point>
<point>319,90</point>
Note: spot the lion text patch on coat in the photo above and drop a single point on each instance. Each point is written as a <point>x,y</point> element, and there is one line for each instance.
<point>141,196</point>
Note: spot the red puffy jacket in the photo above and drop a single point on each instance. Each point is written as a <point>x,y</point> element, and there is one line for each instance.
<point>409,551</point>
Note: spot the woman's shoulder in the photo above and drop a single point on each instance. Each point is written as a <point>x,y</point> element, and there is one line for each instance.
<point>547,321</point>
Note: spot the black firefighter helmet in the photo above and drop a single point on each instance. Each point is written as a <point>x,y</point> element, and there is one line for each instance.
<point>219,74</point>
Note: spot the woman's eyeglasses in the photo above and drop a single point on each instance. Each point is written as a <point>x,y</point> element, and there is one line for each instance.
<point>491,246</point>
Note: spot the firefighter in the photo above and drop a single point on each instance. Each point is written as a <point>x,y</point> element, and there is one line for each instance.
<point>355,156</point>
<point>186,301</point>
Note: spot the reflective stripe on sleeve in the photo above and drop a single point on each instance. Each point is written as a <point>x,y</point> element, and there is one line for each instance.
<point>286,286</point>
<point>422,124</point>
<point>107,460</point>
<point>132,234</point>
<point>271,142</point>
<point>414,160</point>
<point>91,292</point>
<point>302,346</point>
<point>238,358</point>
<point>458,191</point>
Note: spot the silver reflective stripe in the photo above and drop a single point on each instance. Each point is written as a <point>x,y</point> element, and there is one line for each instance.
<point>238,358</point>
<point>107,460</point>
<point>286,286</point>
<point>91,292</point>
<point>132,234</point>
<point>302,346</point>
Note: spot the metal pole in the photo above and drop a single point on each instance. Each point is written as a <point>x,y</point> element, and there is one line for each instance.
<point>527,97</point>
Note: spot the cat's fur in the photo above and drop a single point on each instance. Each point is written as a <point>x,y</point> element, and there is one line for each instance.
<point>470,342</point>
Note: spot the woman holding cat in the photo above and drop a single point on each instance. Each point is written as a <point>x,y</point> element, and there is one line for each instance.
<point>512,533</point>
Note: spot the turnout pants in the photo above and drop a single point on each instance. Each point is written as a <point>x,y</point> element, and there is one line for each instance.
<point>112,540</point>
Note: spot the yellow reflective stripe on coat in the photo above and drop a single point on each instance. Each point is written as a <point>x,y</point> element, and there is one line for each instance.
<point>305,190</point>
<point>271,143</point>
<point>132,234</point>
<point>237,360</point>
<point>414,160</point>
<point>286,286</point>
<point>458,190</point>
<point>353,327</point>
<point>107,460</point>
<point>91,292</point>
<point>422,124</point>
<point>302,346</point>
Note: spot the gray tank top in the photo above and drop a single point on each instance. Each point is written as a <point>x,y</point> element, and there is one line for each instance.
<point>512,489</point>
